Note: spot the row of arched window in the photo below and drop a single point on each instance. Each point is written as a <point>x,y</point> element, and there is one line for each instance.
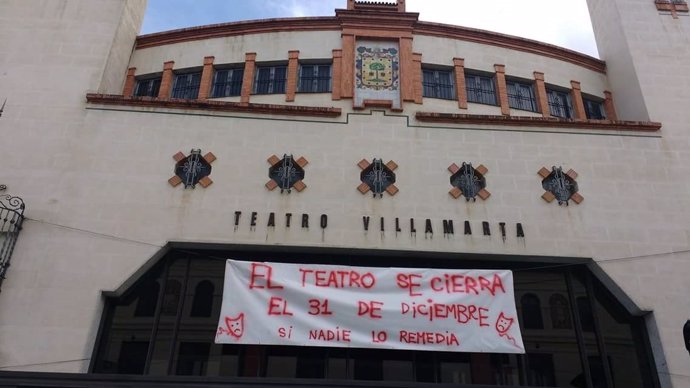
<point>559,310</point>
<point>202,302</point>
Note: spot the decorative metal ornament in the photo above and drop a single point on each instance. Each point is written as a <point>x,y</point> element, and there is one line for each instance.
<point>192,169</point>
<point>377,177</point>
<point>286,173</point>
<point>468,181</point>
<point>11,219</point>
<point>559,185</point>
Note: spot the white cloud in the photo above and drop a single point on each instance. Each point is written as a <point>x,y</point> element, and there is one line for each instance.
<point>564,23</point>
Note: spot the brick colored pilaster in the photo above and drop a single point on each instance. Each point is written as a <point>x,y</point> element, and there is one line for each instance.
<point>417,81</point>
<point>347,79</point>
<point>292,73</point>
<point>401,5</point>
<point>166,80</point>
<point>337,74</point>
<point>502,89</point>
<point>206,79</point>
<point>248,79</point>
<point>540,94</point>
<point>130,82</point>
<point>406,69</point>
<point>609,106</point>
<point>460,85</point>
<point>578,104</point>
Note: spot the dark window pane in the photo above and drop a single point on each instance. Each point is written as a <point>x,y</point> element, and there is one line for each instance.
<point>202,305</point>
<point>455,368</point>
<point>132,357</point>
<point>279,77</point>
<point>263,80</point>
<point>148,88</point>
<point>521,96</point>
<point>531,312</point>
<point>193,358</point>
<point>594,110</point>
<point>480,89</point>
<point>438,84</point>
<point>560,104</point>
<point>186,86</point>
<point>540,370</point>
<point>148,298</point>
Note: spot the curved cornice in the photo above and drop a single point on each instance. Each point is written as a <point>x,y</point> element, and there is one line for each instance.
<point>334,23</point>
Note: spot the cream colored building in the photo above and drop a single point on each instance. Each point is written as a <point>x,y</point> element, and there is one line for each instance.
<point>145,161</point>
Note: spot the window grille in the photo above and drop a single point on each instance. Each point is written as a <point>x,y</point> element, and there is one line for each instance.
<point>438,84</point>
<point>315,79</point>
<point>227,82</point>
<point>560,103</point>
<point>480,89</point>
<point>187,86</point>
<point>148,87</point>
<point>594,109</point>
<point>270,80</point>
<point>521,96</point>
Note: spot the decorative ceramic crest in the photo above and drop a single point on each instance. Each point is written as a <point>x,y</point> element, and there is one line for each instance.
<point>286,173</point>
<point>192,169</point>
<point>468,181</point>
<point>377,177</point>
<point>559,185</point>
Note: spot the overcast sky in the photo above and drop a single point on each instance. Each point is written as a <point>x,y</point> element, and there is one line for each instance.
<point>564,23</point>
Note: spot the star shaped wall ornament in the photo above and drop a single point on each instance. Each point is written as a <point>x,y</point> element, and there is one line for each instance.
<point>192,169</point>
<point>286,173</point>
<point>468,181</point>
<point>377,177</point>
<point>559,185</point>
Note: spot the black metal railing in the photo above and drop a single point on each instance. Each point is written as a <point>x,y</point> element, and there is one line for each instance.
<point>11,219</point>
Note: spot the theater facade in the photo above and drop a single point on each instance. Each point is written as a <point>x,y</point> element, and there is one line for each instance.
<point>135,166</point>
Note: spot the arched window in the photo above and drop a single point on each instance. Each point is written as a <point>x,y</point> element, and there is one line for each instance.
<point>560,315</point>
<point>202,304</point>
<point>148,298</point>
<point>531,312</point>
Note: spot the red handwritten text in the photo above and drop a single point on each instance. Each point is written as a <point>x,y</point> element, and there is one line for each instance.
<point>330,335</point>
<point>259,272</point>
<point>337,278</point>
<point>459,312</point>
<point>428,338</point>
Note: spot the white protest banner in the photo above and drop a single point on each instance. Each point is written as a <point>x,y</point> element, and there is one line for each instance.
<point>367,307</point>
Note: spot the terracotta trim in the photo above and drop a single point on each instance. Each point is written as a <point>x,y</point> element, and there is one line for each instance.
<point>525,121</point>
<point>292,74</point>
<point>212,105</point>
<point>347,87</point>
<point>238,28</point>
<point>406,67</point>
<point>509,42</point>
<point>502,89</point>
<point>206,78</point>
<point>337,70</point>
<point>248,77</point>
<point>540,94</point>
<point>578,103</point>
<point>130,82</point>
<point>417,77</point>
<point>166,80</point>
<point>609,106</point>
<point>460,84</point>
<point>335,24</point>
